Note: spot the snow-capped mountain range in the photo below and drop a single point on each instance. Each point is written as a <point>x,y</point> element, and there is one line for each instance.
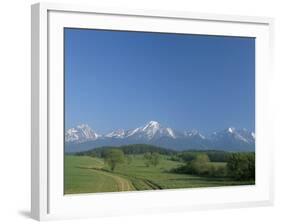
<point>82,137</point>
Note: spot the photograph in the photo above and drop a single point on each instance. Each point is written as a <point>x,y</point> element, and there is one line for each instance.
<point>157,111</point>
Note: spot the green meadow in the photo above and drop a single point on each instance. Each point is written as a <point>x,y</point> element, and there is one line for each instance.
<point>88,173</point>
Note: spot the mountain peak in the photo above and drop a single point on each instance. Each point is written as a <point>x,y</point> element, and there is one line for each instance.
<point>231,129</point>
<point>151,128</point>
<point>80,133</point>
<point>153,123</point>
<point>120,133</point>
<point>233,134</point>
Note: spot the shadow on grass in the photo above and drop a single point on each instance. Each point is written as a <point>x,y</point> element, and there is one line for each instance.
<point>93,168</point>
<point>200,178</point>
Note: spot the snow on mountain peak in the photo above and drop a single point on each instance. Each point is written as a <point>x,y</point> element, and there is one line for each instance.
<point>253,135</point>
<point>151,128</point>
<point>231,130</point>
<point>152,124</point>
<point>120,133</point>
<point>193,133</point>
<point>83,126</point>
<point>133,132</point>
<point>241,135</point>
<point>80,133</point>
<point>171,132</point>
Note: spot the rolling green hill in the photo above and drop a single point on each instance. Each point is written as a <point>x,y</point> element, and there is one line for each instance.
<point>87,174</point>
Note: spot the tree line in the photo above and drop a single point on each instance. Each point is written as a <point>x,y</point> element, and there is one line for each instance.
<point>239,166</point>
<point>128,150</point>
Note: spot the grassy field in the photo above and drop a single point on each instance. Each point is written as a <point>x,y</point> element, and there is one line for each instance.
<point>84,174</point>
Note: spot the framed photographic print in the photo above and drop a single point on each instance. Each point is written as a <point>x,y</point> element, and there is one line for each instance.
<point>138,111</point>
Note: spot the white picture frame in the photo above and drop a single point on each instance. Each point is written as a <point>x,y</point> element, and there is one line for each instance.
<point>48,201</point>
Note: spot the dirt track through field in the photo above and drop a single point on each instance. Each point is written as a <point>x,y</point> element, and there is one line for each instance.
<point>122,183</point>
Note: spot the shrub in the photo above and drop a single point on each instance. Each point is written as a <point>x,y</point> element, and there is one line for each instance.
<point>241,166</point>
<point>201,166</point>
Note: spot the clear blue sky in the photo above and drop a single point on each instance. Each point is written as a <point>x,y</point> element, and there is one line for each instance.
<point>119,79</point>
